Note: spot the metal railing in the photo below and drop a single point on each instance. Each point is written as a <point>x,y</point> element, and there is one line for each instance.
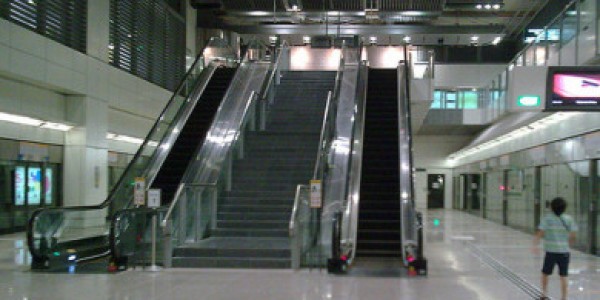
<point>192,214</point>
<point>305,222</point>
<point>50,230</point>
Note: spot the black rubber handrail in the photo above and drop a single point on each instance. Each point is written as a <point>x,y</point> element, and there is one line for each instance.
<point>109,198</point>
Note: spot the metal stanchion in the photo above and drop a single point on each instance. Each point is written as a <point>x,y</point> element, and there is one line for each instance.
<point>153,266</point>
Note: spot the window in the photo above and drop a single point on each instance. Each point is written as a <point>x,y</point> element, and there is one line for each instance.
<point>456,99</point>
<point>147,39</point>
<point>64,21</point>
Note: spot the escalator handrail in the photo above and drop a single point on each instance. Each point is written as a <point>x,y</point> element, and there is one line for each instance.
<point>183,185</point>
<point>254,95</point>
<point>353,191</point>
<point>108,199</point>
<point>322,136</point>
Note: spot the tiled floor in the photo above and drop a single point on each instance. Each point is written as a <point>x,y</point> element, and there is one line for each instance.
<point>454,249</point>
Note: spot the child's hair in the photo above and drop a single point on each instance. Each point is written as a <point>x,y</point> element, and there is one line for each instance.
<point>558,205</point>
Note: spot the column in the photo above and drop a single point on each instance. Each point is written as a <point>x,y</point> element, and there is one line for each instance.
<point>86,156</point>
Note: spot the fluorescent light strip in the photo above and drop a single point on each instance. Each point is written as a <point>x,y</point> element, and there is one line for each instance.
<point>129,139</point>
<point>517,133</point>
<point>24,120</point>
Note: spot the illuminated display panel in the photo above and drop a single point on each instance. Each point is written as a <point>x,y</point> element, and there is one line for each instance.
<point>19,186</point>
<point>573,88</point>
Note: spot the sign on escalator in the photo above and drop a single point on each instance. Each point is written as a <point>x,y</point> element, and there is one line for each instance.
<point>316,200</point>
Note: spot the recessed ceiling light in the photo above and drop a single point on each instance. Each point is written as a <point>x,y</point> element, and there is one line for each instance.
<point>496,6</point>
<point>488,6</point>
<point>479,6</point>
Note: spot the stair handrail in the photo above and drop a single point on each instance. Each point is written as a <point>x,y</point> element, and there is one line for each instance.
<point>264,93</point>
<point>327,130</point>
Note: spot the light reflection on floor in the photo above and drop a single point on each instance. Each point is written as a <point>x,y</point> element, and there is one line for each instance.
<point>455,273</point>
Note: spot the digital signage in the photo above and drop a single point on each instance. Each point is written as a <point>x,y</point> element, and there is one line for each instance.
<point>573,88</point>
<point>34,185</point>
<point>19,186</point>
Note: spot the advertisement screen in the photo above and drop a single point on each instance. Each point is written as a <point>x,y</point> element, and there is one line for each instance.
<point>48,185</point>
<point>34,185</point>
<point>19,186</point>
<point>573,89</point>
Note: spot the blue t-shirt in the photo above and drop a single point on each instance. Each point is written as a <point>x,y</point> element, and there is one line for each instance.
<point>556,232</point>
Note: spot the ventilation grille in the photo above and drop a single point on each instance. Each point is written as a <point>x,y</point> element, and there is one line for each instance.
<point>147,39</point>
<point>64,21</point>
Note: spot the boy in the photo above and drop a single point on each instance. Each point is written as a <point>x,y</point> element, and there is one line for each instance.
<point>558,231</point>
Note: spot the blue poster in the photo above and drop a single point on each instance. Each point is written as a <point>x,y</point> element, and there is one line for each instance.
<point>19,186</point>
<point>34,186</point>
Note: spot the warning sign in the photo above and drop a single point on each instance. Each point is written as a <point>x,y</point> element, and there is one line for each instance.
<point>316,194</point>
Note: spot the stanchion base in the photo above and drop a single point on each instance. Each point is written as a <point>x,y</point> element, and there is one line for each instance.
<point>153,268</point>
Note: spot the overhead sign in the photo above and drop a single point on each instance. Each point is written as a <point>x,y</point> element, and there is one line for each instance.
<point>529,101</point>
<point>316,193</point>
<point>154,198</point>
<point>139,191</point>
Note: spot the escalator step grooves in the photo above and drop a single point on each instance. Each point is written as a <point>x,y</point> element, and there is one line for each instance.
<point>379,211</point>
<point>193,133</point>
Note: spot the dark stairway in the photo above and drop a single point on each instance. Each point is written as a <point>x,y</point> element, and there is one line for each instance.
<point>192,135</point>
<point>379,208</point>
<point>253,219</point>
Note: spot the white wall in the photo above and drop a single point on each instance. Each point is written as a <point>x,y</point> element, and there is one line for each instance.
<point>305,58</point>
<point>467,75</point>
<point>36,73</point>
<point>421,187</point>
<point>574,124</point>
<point>430,153</point>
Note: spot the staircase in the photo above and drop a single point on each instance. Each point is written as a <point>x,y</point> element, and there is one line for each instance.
<point>379,208</point>
<point>253,218</point>
<point>193,134</point>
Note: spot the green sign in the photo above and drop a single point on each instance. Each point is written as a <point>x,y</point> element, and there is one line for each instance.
<point>529,101</point>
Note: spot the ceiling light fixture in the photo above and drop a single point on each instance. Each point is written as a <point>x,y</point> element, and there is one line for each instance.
<point>24,120</point>
<point>488,6</point>
<point>406,39</point>
<point>306,39</point>
<point>479,6</point>
<point>497,40</point>
<point>474,38</point>
<point>496,6</point>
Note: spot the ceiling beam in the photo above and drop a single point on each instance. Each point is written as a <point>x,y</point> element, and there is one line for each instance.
<point>352,29</point>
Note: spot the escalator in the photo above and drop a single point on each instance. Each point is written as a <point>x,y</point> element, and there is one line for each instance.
<point>192,135</point>
<point>379,208</point>
<point>77,239</point>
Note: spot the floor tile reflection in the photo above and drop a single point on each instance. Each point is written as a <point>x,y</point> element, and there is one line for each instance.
<point>455,272</point>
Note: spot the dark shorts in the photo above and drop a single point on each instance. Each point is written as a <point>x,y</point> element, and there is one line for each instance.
<point>560,259</point>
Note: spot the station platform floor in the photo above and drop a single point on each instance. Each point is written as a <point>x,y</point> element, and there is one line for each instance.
<point>469,258</point>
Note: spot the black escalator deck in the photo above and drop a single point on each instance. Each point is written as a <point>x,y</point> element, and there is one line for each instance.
<point>379,209</point>
<point>193,133</point>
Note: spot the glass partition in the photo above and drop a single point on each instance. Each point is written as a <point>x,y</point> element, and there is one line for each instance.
<point>494,197</point>
<point>53,231</point>
<point>569,24</point>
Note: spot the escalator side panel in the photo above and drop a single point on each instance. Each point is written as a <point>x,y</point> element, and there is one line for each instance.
<point>192,134</point>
